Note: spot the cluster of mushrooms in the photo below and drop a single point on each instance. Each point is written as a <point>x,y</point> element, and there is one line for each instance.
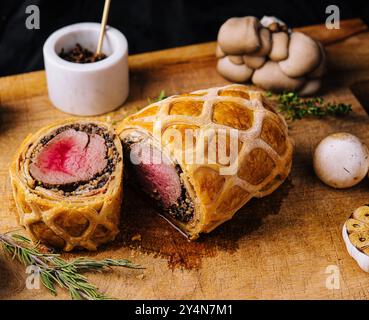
<point>270,55</point>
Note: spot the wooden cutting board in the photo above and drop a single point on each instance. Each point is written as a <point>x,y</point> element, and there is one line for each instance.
<point>278,247</point>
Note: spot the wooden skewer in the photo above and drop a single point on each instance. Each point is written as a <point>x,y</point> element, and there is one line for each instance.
<point>103,26</point>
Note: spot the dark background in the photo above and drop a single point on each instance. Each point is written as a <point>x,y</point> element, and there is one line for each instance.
<point>147,24</point>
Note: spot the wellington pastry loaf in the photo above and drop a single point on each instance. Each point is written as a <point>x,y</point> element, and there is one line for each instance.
<point>218,148</point>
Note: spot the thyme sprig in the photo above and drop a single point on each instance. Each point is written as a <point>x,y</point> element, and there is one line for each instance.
<point>160,97</point>
<point>55,271</point>
<point>293,107</point>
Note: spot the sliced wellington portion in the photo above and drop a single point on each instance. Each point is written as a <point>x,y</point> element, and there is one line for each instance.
<point>158,176</point>
<point>67,184</point>
<point>219,148</point>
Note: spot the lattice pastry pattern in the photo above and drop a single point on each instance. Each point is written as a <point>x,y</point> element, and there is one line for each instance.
<point>79,221</point>
<point>264,148</point>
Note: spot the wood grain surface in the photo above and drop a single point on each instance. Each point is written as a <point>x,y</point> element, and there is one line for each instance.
<point>278,247</point>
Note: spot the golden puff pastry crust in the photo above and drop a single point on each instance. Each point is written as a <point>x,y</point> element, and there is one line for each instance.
<point>81,219</point>
<point>264,154</point>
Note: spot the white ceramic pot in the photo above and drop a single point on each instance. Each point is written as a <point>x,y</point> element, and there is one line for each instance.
<point>91,88</point>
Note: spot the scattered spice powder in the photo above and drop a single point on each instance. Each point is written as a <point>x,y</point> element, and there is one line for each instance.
<point>81,55</point>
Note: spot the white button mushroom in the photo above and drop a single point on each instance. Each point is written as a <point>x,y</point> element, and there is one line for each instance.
<point>341,160</point>
<point>239,35</point>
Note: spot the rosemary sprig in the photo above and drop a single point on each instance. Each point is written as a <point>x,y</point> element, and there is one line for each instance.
<point>55,271</point>
<point>293,107</point>
<point>160,97</point>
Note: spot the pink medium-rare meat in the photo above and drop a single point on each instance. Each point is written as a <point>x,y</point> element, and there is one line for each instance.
<point>157,175</point>
<point>158,178</point>
<point>71,156</point>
